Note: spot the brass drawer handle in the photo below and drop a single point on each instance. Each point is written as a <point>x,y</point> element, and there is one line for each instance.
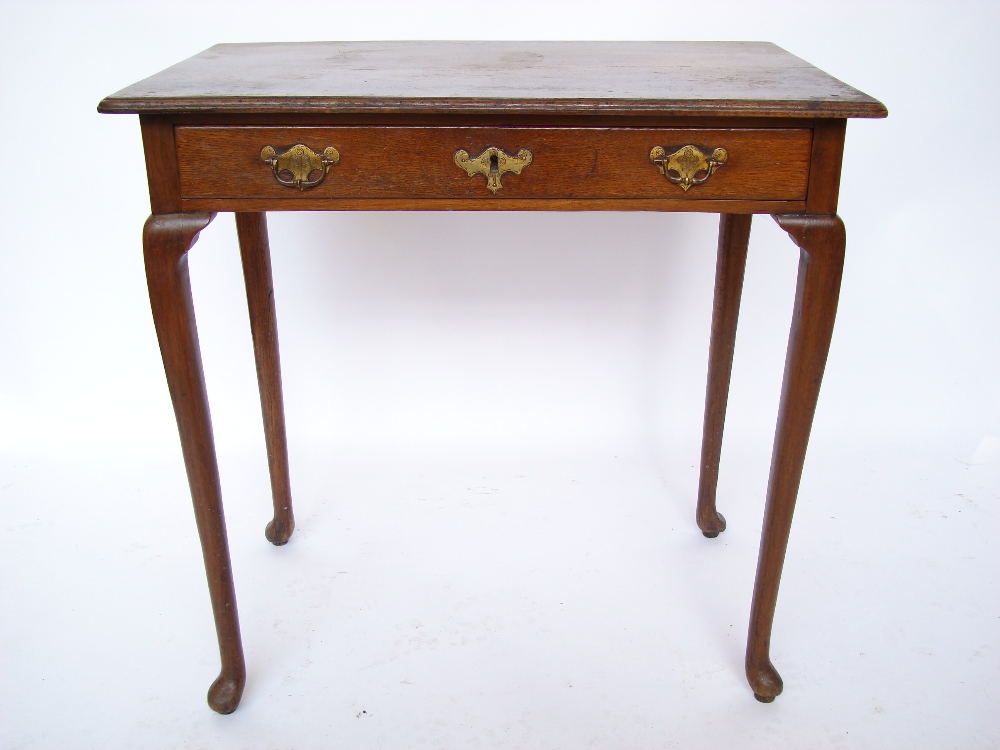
<point>684,165</point>
<point>299,161</point>
<point>492,164</point>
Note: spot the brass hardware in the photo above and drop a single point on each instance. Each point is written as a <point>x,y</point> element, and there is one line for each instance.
<point>492,164</point>
<point>687,163</point>
<point>300,161</point>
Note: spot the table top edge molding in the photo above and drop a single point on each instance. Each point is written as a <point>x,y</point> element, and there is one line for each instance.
<point>715,78</point>
<point>809,109</point>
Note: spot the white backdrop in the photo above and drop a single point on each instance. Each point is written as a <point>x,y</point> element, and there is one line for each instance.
<point>497,378</point>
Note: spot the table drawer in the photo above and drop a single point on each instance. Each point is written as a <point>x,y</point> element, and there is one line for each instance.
<point>565,163</point>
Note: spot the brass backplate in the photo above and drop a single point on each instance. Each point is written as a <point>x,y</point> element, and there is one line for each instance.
<point>493,163</point>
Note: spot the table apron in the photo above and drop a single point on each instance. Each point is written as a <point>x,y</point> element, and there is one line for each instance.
<point>218,205</point>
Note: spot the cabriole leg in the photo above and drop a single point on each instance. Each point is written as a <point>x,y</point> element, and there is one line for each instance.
<point>166,241</point>
<point>821,265</point>
<point>734,235</point>
<point>256,255</point>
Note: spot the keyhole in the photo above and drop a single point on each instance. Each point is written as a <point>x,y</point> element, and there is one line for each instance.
<point>494,164</point>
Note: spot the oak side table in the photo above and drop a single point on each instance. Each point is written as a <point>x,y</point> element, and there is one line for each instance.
<point>735,128</point>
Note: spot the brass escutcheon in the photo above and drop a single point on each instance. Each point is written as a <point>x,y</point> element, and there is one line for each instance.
<point>299,161</point>
<point>492,164</point>
<point>684,165</point>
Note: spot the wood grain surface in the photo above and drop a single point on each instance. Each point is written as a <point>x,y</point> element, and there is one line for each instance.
<point>400,162</point>
<point>707,78</point>
<point>161,164</point>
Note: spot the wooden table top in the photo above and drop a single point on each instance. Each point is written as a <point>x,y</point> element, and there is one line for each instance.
<point>682,78</point>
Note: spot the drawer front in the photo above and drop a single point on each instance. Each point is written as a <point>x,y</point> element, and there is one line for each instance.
<point>566,163</point>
